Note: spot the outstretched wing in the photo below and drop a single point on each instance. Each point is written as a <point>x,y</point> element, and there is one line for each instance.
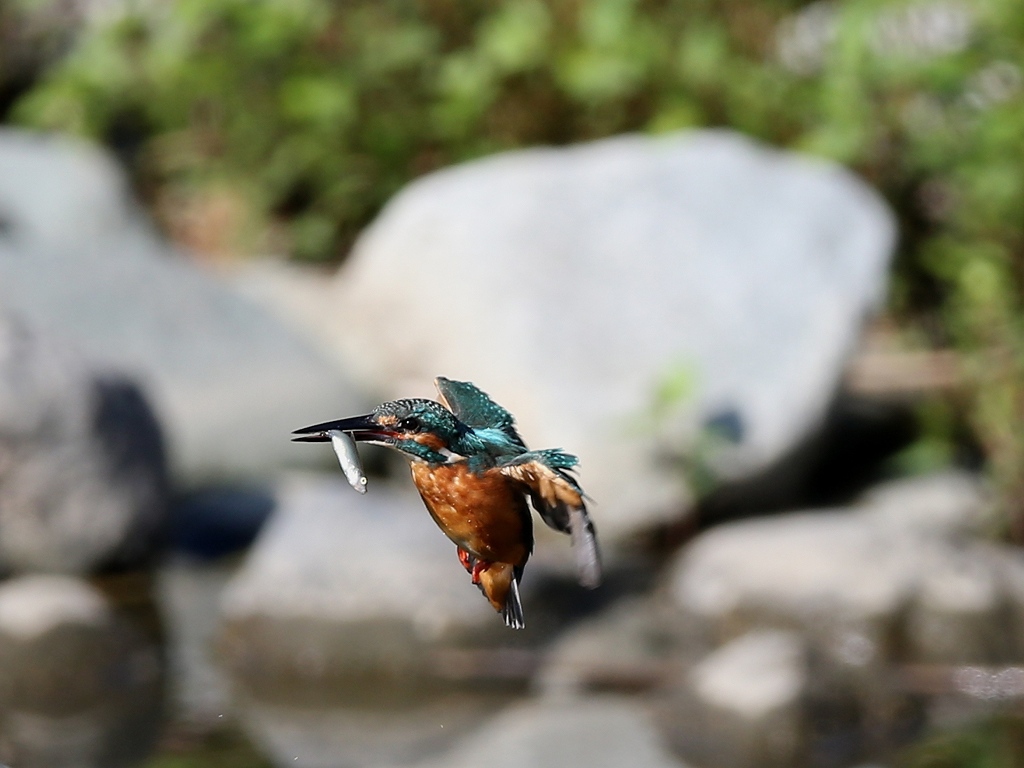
<point>474,408</point>
<point>558,499</point>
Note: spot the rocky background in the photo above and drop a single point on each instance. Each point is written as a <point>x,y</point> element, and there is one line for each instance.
<point>683,312</point>
<point>804,524</point>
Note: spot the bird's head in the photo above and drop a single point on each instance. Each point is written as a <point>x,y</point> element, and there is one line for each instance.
<point>422,429</point>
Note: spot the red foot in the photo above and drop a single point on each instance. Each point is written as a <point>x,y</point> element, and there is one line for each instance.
<point>465,558</point>
<point>479,567</point>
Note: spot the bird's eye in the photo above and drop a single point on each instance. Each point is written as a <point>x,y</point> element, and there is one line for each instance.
<point>409,424</point>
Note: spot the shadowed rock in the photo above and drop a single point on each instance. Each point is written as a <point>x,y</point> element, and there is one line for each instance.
<point>227,380</point>
<point>82,469</point>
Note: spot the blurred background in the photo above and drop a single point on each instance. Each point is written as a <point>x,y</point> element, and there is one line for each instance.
<point>759,263</point>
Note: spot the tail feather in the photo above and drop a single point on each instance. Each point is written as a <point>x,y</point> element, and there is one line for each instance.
<point>513,610</point>
<point>500,584</point>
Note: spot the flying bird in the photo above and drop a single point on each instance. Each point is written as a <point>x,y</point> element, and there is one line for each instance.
<point>475,475</point>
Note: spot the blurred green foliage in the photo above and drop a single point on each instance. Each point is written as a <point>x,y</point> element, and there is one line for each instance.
<point>220,748</point>
<point>284,125</point>
<point>309,114</point>
<point>996,742</point>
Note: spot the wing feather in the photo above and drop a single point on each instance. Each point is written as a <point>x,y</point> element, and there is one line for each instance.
<point>559,501</point>
<point>474,408</point>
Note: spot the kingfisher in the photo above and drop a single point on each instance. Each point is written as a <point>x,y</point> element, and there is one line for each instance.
<point>475,475</point>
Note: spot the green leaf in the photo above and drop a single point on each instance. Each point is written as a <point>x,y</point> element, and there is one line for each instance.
<point>318,100</point>
<point>516,37</point>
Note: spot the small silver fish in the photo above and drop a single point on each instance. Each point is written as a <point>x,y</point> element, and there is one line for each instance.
<point>348,457</point>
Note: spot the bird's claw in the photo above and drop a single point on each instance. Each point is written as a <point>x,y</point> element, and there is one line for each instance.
<point>473,564</point>
<point>479,567</point>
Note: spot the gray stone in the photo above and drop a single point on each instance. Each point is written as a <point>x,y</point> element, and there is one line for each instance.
<point>744,704</point>
<point>950,503</point>
<point>346,591</point>
<point>340,559</point>
<point>228,380</point>
<point>34,605</point>
<point>82,467</point>
<point>901,565</point>
<point>78,684</point>
<point>565,733</point>
<point>834,575</point>
<point>754,676</point>
<point>957,615</point>
<point>572,283</point>
<point>899,577</point>
<point>636,644</point>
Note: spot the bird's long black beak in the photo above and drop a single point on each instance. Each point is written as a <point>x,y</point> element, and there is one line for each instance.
<point>360,427</point>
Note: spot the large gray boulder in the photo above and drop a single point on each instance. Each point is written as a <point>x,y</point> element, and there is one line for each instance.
<point>868,585</point>
<point>83,478</point>
<point>573,284</point>
<point>228,381</point>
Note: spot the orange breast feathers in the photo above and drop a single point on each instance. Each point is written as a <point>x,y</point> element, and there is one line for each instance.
<point>484,514</point>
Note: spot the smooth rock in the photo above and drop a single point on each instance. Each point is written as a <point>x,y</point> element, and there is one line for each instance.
<point>946,504</point>
<point>833,575</point>
<point>572,284</point>
<point>83,476</point>
<point>342,587</point>
<point>565,733</point>
<point>333,555</point>
<point>754,675</point>
<point>744,705</point>
<point>900,578</point>
<point>34,605</point>
<point>79,685</point>
<point>227,379</point>
<point>634,645</point>
<point>958,612</point>
<point>899,566</point>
